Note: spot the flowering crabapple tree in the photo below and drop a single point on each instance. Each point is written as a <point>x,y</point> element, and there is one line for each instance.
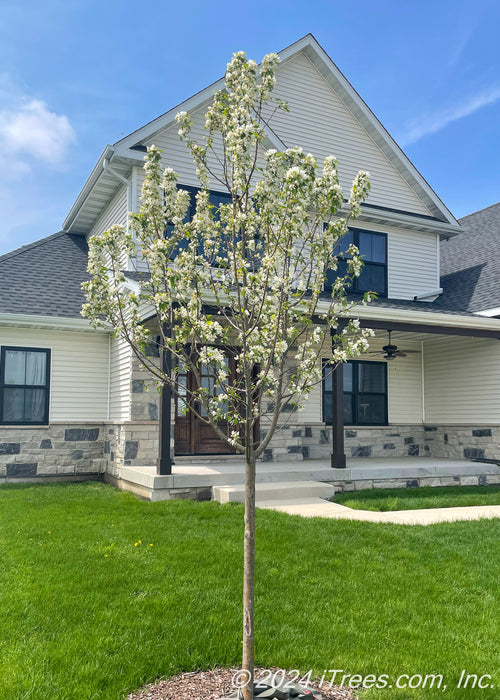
<point>246,277</point>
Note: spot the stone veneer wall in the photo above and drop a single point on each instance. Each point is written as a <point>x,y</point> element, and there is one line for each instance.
<point>469,480</point>
<point>131,444</point>
<point>463,442</point>
<point>63,450</point>
<point>314,441</point>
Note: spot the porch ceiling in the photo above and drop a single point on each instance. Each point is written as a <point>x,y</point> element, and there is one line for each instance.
<point>400,337</point>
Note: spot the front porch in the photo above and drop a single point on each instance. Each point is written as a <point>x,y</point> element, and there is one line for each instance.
<point>195,478</point>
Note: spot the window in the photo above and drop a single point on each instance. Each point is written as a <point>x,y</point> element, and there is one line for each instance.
<point>365,393</point>
<point>24,386</point>
<point>216,199</point>
<point>373,251</point>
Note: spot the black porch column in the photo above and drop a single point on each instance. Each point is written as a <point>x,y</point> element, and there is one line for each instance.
<point>338,453</point>
<point>164,462</point>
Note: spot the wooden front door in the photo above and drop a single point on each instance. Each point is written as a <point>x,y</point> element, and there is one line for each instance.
<point>192,435</point>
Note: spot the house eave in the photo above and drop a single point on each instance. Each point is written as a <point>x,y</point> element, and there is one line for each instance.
<point>487,327</point>
<point>50,322</point>
<point>87,188</point>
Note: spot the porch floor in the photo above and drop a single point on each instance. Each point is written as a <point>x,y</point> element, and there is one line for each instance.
<point>206,473</point>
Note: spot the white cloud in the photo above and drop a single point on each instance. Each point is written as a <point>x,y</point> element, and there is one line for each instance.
<point>34,144</point>
<point>428,124</point>
<point>29,128</point>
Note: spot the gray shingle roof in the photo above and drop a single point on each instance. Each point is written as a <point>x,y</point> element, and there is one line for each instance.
<point>470,263</point>
<point>44,278</point>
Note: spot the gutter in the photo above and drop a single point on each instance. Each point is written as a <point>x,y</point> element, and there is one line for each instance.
<point>52,322</point>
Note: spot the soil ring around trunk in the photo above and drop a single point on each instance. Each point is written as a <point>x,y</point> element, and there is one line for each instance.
<point>216,684</point>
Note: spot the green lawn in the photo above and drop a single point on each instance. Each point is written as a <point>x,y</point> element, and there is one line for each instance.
<point>426,497</point>
<point>88,609</point>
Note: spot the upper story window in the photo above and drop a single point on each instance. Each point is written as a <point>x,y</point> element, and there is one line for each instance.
<point>365,393</point>
<point>24,386</point>
<point>373,251</point>
<point>217,199</point>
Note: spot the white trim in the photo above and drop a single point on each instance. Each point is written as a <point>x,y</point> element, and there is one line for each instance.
<point>427,295</point>
<point>54,322</point>
<point>489,313</point>
<point>438,257</point>
<point>436,319</point>
<point>86,190</point>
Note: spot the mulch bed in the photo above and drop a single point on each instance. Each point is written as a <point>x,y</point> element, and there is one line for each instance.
<point>212,685</point>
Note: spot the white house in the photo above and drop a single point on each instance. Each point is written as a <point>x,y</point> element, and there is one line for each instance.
<point>72,402</point>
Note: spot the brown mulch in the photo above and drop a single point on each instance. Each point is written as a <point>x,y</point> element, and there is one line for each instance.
<point>212,685</point>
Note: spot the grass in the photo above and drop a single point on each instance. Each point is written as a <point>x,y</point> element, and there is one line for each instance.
<point>88,609</point>
<point>415,499</point>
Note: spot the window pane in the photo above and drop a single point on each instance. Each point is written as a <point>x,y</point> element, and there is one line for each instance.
<point>371,377</point>
<point>372,279</point>
<point>348,411</point>
<point>218,199</point>
<point>347,367</point>
<point>327,378</point>
<point>341,271</point>
<point>34,405</point>
<point>372,247</point>
<point>344,243</point>
<point>13,405</point>
<point>36,368</point>
<point>327,409</point>
<point>371,409</point>
<point>15,367</point>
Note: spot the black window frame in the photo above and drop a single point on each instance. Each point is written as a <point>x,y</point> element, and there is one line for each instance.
<point>212,194</point>
<point>354,287</point>
<point>355,393</point>
<point>193,191</point>
<point>45,387</point>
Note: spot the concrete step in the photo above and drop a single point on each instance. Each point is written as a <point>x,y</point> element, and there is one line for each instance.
<point>283,491</point>
<point>208,459</point>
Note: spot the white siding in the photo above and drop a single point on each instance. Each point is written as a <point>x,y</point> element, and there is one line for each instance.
<point>322,124</point>
<point>412,260</point>
<point>462,381</point>
<point>114,213</point>
<point>405,387</point>
<point>121,371</point>
<point>311,413</point>
<point>79,372</point>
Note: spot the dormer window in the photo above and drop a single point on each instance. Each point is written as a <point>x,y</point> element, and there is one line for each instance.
<point>373,251</point>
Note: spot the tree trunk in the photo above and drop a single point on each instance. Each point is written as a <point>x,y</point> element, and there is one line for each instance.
<point>248,578</point>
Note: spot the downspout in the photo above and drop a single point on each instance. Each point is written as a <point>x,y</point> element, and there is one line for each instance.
<point>423,381</point>
<point>108,408</point>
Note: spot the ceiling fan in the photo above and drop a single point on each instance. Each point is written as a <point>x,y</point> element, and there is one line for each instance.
<point>390,351</point>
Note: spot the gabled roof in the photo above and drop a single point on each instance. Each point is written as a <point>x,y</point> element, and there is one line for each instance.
<point>470,263</point>
<point>130,149</point>
<point>44,278</point>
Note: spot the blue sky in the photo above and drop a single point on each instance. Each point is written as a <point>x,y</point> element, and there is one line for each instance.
<point>83,73</point>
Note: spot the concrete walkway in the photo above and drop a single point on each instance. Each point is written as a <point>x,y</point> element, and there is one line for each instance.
<point>319,508</point>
